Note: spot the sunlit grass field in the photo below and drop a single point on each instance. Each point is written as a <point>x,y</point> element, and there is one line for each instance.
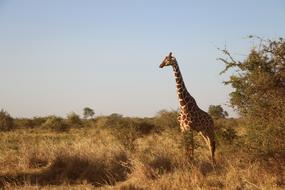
<point>98,156</point>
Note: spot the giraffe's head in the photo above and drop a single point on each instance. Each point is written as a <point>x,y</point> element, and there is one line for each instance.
<point>168,60</point>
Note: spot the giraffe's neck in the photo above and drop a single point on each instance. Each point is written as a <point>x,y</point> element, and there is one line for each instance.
<point>184,98</point>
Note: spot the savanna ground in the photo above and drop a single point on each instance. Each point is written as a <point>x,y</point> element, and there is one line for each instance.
<point>115,152</point>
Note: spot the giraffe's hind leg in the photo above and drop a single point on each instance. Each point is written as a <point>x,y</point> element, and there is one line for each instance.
<point>211,144</point>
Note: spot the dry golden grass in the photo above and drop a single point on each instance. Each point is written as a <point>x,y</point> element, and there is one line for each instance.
<point>92,158</point>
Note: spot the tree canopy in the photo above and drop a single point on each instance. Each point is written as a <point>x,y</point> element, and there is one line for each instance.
<point>216,111</point>
<point>259,81</point>
<point>88,112</point>
<point>258,95</point>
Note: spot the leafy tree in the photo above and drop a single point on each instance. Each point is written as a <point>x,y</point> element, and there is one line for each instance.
<point>217,111</point>
<point>259,94</point>
<point>6,121</point>
<point>88,112</point>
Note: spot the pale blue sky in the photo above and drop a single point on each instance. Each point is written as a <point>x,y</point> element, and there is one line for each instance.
<point>59,56</point>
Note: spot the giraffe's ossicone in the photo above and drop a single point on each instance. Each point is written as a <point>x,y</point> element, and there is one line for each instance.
<point>190,115</point>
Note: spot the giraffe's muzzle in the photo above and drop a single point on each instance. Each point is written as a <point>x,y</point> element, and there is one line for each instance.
<point>161,65</point>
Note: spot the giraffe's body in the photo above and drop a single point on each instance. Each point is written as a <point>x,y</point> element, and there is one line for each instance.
<point>191,117</point>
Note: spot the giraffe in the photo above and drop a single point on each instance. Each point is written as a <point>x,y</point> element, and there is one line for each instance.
<point>191,117</point>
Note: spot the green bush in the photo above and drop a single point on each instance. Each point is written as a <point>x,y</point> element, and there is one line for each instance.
<point>55,123</point>
<point>38,121</point>
<point>116,120</point>
<point>6,121</point>
<point>24,123</point>
<point>229,134</point>
<point>226,131</point>
<point>166,120</point>
<point>144,126</point>
<point>267,142</point>
<point>127,130</point>
<point>30,123</point>
<point>74,120</point>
